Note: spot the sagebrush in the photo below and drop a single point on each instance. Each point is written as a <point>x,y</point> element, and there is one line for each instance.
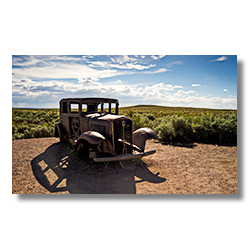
<point>171,124</point>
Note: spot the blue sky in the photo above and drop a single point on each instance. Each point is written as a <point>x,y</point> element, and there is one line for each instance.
<point>208,81</point>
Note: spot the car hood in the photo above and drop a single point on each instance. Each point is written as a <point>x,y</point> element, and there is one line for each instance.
<point>106,117</point>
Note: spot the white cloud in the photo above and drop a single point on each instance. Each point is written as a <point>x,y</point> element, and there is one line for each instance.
<point>47,60</point>
<point>89,81</point>
<point>183,93</point>
<point>79,67</point>
<point>178,87</point>
<point>116,82</point>
<point>26,61</point>
<point>219,59</point>
<point>48,93</point>
<point>174,63</point>
<point>120,62</point>
<point>57,67</point>
<point>123,59</point>
<point>162,87</point>
<point>157,57</point>
<point>154,57</point>
<point>225,90</point>
<point>62,70</point>
<point>105,64</point>
<point>27,92</point>
<point>112,59</point>
<point>132,66</point>
<point>157,71</point>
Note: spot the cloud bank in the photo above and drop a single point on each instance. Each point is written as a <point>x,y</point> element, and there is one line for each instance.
<point>48,93</point>
<point>41,81</point>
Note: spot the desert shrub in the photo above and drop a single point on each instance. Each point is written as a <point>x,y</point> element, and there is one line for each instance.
<point>150,116</point>
<point>33,123</point>
<point>14,129</point>
<point>201,128</point>
<point>19,136</point>
<point>228,131</point>
<point>182,128</point>
<point>200,132</point>
<point>171,124</point>
<point>41,131</point>
<point>139,121</point>
<point>165,131</point>
<point>130,113</point>
<point>212,128</point>
<point>173,128</point>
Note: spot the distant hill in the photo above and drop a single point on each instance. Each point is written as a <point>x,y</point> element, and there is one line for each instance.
<point>156,108</point>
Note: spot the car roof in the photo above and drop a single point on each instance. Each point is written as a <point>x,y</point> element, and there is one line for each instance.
<point>92,99</point>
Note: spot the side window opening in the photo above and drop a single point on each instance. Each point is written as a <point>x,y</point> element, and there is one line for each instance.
<point>113,108</point>
<point>99,107</point>
<point>74,107</point>
<point>84,108</point>
<point>106,107</point>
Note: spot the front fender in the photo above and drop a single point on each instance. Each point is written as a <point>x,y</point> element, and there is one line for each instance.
<point>141,135</point>
<point>93,138</point>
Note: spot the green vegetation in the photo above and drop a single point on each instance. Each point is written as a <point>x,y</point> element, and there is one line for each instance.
<point>170,123</point>
<point>186,124</point>
<point>34,123</point>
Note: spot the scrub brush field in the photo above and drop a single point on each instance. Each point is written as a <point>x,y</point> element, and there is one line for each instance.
<point>196,154</point>
<point>170,123</point>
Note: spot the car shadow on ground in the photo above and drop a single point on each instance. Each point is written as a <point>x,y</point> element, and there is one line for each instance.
<point>57,170</point>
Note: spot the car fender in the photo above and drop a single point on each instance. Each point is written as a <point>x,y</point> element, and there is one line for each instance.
<point>92,137</point>
<point>96,139</point>
<point>141,135</point>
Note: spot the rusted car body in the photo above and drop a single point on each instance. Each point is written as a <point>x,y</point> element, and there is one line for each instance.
<point>96,130</point>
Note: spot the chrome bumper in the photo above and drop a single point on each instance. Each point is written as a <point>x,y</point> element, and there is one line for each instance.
<point>124,157</point>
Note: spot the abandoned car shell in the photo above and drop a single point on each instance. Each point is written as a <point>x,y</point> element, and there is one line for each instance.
<point>95,129</point>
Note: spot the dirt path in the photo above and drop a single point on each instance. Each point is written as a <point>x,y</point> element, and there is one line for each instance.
<point>43,166</point>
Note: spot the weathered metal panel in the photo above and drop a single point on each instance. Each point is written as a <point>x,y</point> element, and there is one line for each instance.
<point>141,135</point>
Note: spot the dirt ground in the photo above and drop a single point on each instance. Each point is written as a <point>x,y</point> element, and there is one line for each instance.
<point>45,166</point>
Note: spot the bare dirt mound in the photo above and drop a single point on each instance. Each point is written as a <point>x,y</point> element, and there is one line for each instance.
<point>44,165</point>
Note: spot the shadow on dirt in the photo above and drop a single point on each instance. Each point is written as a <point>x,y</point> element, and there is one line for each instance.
<point>57,170</point>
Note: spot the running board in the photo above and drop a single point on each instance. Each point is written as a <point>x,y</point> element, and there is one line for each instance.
<point>124,157</point>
